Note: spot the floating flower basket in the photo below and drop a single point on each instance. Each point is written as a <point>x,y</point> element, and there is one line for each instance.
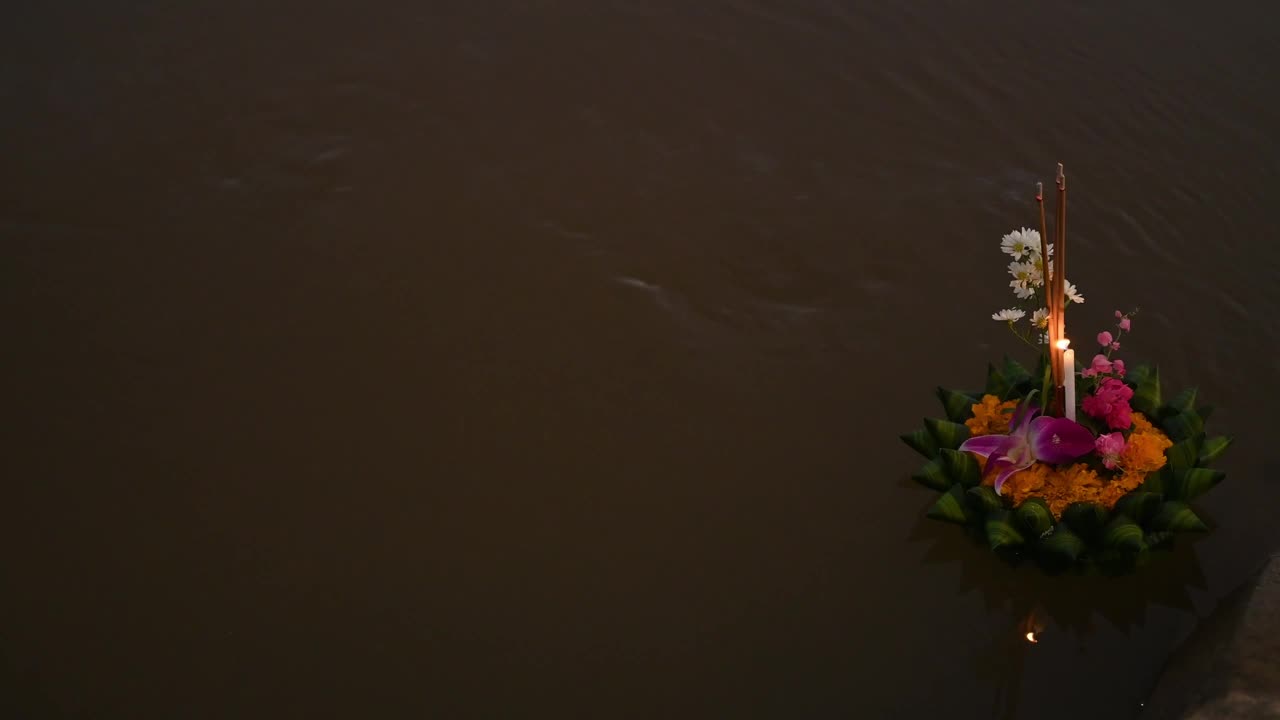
<point>1032,477</point>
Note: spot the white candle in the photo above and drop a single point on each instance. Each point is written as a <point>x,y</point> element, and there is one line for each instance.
<point>1068,378</point>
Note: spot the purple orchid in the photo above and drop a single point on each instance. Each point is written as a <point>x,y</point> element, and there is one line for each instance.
<point>1030,439</point>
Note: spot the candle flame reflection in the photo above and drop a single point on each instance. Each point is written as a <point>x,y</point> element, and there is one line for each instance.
<point>1063,344</point>
<point>1031,637</point>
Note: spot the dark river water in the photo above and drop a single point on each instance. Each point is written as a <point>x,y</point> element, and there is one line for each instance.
<point>546,359</point>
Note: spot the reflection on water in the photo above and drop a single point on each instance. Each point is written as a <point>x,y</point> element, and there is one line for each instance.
<point>1055,610</point>
<point>491,359</point>
<point>1071,602</point>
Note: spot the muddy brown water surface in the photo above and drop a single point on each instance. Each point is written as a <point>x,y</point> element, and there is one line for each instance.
<point>546,359</point>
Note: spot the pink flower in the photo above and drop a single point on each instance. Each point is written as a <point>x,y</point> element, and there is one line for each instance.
<point>1104,338</point>
<point>1125,324</point>
<point>1109,448</point>
<point>1119,314</point>
<point>1115,346</point>
<point>1101,365</point>
<point>1111,403</point>
<point>1117,367</point>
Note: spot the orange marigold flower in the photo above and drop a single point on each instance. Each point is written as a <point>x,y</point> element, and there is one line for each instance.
<point>1141,424</point>
<point>990,417</point>
<point>1129,481</point>
<point>1079,475</point>
<point>1111,494</point>
<point>1144,452</point>
<point>1025,484</point>
<point>1060,487</point>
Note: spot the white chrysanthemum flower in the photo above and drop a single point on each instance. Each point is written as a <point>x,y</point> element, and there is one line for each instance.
<point>1021,289</point>
<point>1021,242</point>
<point>1073,295</point>
<point>1009,315</point>
<point>1025,272</point>
<point>1040,318</point>
<point>1035,251</point>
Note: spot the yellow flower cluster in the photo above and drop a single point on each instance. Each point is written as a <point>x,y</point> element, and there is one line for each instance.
<point>991,417</point>
<point>1144,450</point>
<point>1059,487</point>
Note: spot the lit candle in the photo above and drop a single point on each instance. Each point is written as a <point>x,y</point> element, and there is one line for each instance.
<point>1068,378</point>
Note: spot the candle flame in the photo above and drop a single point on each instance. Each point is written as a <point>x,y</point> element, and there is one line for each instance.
<point>1031,637</point>
<point>1063,343</point>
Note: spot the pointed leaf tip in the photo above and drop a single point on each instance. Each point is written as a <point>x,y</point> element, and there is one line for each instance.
<point>922,441</point>
<point>984,500</point>
<point>1184,401</point>
<point>957,405</point>
<point>950,507</point>
<point>1213,448</point>
<point>932,475</point>
<point>1184,455</point>
<point>1034,517</point>
<point>1182,426</point>
<point>1139,505</point>
<point>1085,519</point>
<point>1061,547</point>
<point>1146,393</point>
<point>1123,534</point>
<point>947,434</point>
<point>1175,515</point>
<point>1193,483</point>
<point>1002,534</point>
<point>961,467</point>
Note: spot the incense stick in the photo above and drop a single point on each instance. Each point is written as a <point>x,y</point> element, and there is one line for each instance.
<point>1060,272</point>
<point>1050,324</point>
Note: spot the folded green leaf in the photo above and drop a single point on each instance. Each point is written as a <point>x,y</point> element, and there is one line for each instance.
<point>1155,481</point>
<point>1146,394</point>
<point>997,383</point>
<point>922,442</point>
<point>932,475</point>
<point>1139,374</point>
<point>947,433</point>
<point>1175,515</point>
<point>1085,519</point>
<point>961,467</point>
<point>1193,483</point>
<point>1016,375</point>
<point>1182,426</point>
<point>950,507</point>
<point>1033,517</point>
<point>1139,505</point>
<point>1001,533</point>
<point>958,406</point>
<point>1123,534</point>
<point>1010,381</point>
<point>1062,545</point>
<point>1213,448</point>
<point>1184,455</point>
<point>1184,401</point>
<point>984,500</point>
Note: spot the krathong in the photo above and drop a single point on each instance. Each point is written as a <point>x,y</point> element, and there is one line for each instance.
<point>1091,467</point>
